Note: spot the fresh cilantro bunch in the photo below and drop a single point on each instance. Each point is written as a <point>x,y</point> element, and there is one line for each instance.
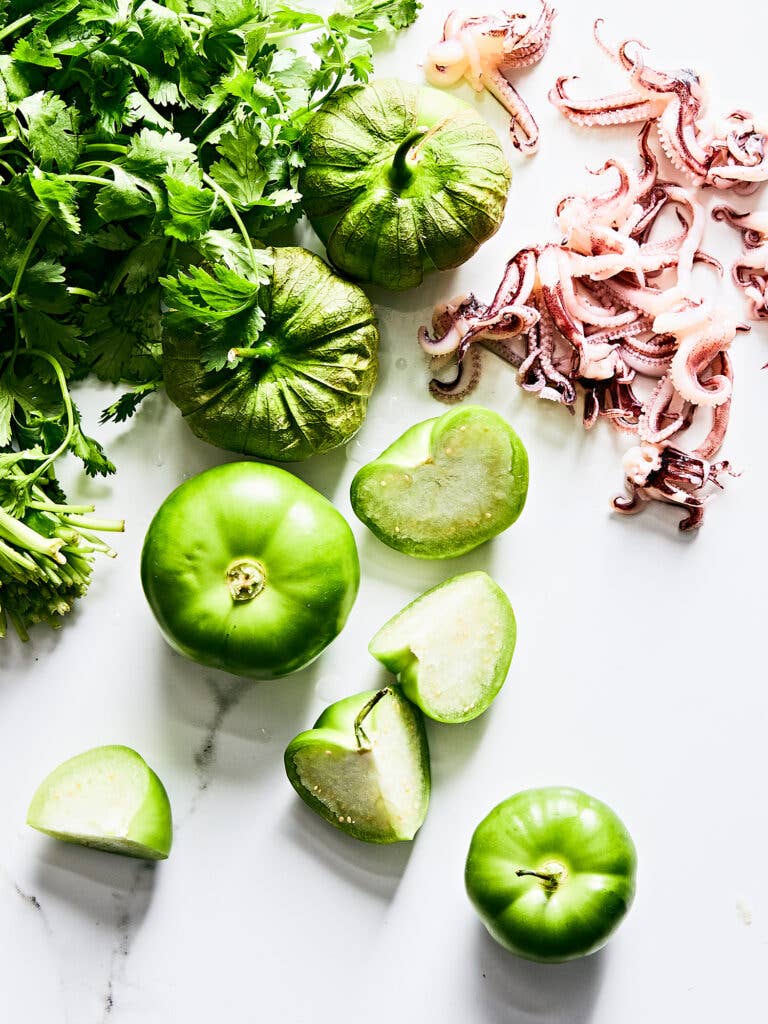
<point>148,151</point>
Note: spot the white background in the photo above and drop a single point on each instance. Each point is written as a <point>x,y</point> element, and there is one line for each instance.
<point>639,676</point>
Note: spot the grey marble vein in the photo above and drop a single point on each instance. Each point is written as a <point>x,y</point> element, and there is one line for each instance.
<point>225,697</point>
<point>131,906</point>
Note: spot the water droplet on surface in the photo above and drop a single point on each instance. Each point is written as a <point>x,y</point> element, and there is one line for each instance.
<point>158,459</point>
<point>263,736</point>
<point>401,364</point>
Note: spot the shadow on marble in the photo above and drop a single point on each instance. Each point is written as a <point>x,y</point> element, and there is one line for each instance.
<point>103,887</point>
<point>18,657</point>
<point>515,991</point>
<point>658,520</point>
<point>384,563</point>
<point>377,868</point>
<point>323,472</point>
<point>452,747</point>
<point>437,286</point>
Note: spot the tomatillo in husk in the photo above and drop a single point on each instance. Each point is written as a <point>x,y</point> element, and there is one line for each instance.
<point>551,872</point>
<point>400,180</point>
<point>248,569</point>
<point>302,386</point>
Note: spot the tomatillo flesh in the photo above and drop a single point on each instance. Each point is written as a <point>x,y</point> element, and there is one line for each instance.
<point>248,569</point>
<point>444,486</point>
<point>551,872</point>
<point>364,767</point>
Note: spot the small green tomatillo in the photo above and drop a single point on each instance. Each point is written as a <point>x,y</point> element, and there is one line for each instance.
<point>551,872</point>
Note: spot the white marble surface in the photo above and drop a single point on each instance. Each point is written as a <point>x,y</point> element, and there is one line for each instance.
<point>639,676</point>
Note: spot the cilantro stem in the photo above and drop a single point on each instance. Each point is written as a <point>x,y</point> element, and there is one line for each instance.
<point>26,255</point>
<point>226,199</point>
<point>67,399</point>
<point>223,109</point>
<point>16,532</point>
<point>339,74</point>
<point>107,525</point>
<point>15,25</point>
<point>52,506</point>
<point>85,179</point>
<point>109,147</point>
<point>5,139</point>
<point>85,292</point>
<point>289,33</point>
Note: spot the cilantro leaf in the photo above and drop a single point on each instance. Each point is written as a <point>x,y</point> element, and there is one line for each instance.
<point>127,404</point>
<point>57,196</point>
<point>239,171</point>
<point>89,451</point>
<point>125,197</point>
<point>164,30</point>
<point>190,207</point>
<point>207,297</point>
<point>50,129</point>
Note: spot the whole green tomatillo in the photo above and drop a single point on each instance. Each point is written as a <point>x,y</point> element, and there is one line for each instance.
<point>400,180</point>
<point>248,569</point>
<point>551,872</point>
<point>302,387</point>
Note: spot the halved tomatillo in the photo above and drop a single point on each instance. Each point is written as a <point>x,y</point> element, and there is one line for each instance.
<point>364,767</point>
<point>446,485</point>
<point>451,648</point>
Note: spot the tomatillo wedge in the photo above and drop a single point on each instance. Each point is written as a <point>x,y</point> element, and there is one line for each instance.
<point>364,767</point>
<point>248,569</point>
<point>446,486</point>
<point>451,648</point>
<point>107,798</point>
<point>551,872</point>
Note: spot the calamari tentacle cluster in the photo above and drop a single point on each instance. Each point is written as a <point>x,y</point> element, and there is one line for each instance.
<point>750,272</point>
<point>610,304</point>
<point>486,50</point>
<point>731,155</point>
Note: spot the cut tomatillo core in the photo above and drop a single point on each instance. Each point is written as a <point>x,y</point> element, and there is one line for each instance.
<point>107,798</point>
<point>551,872</point>
<point>451,648</point>
<point>446,486</point>
<point>250,570</point>
<point>364,767</point>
